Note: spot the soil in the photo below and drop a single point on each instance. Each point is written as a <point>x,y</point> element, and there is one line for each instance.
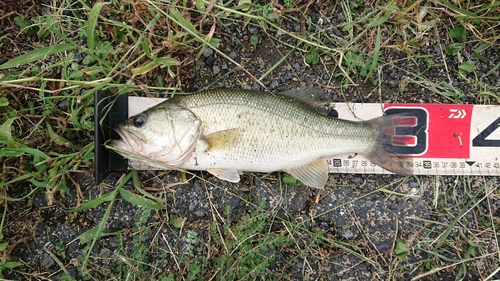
<point>351,210</point>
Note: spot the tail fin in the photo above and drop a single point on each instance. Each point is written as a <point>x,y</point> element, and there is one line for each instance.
<point>383,152</point>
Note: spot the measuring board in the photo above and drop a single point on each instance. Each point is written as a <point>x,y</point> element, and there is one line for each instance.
<point>448,139</point>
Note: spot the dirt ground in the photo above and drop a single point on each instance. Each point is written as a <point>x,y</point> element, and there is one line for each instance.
<point>347,231</point>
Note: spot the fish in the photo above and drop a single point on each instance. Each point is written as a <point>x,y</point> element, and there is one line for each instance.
<point>230,131</point>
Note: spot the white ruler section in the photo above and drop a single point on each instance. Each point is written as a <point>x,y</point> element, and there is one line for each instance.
<point>449,139</point>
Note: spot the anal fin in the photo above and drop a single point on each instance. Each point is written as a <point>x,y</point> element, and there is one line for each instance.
<point>314,174</point>
<point>230,175</point>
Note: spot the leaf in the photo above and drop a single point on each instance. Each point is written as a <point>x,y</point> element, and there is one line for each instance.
<point>467,66</point>
<point>88,235</point>
<point>312,56</point>
<point>57,139</point>
<point>4,264</point>
<point>289,179</point>
<point>378,21</point>
<point>139,200</point>
<point>353,60</point>
<point>3,246</point>
<point>36,55</point>
<point>401,250</point>
<point>137,185</point>
<point>458,33</point>
<point>76,74</point>
<point>6,132</point>
<point>177,222</point>
<point>254,40</point>
<point>200,5</point>
<point>26,25</point>
<point>163,62</point>
<point>453,49</point>
<point>92,23</point>
<point>96,202</point>
<point>4,101</point>
<point>182,21</point>
<point>376,53</point>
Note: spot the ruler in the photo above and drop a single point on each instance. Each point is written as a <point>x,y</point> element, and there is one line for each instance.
<point>448,139</point>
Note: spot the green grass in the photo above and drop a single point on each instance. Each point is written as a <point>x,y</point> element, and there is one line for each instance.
<point>144,48</point>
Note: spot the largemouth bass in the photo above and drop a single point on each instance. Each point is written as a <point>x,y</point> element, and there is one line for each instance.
<point>227,132</point>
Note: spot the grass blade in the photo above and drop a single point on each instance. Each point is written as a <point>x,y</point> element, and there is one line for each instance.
<point>162,62</point>
<point>36,55</point>
<point>139,200</point>
<point>92,22</point>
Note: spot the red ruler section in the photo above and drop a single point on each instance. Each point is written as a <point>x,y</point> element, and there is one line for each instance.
<point>442,131</point>
<point>443,139</point>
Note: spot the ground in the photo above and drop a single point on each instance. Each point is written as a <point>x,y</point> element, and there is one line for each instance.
<point>57,224</point>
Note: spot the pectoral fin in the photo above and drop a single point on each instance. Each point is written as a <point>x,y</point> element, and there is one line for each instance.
<point>223,139</point>
<point>314,174</point>
<point>230,175</point>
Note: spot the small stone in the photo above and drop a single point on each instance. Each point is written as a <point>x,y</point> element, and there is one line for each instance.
<point>63,105</point>
<point>337,31</point>
<point>216,69</point>
<point>104,253</point>
<point>414,184</point>
<point>210,60</point>
<point>347,234</point>
<point>47,261</point>
<point>208,52</point>
<point>288,75</point>
<point>357,180</point>
<point>273,85</point>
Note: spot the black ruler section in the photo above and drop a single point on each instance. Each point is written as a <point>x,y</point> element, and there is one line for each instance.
<point>109,110</point>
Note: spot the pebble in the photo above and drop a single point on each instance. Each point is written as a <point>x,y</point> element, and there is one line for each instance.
<point>216,69</point>
<point>347,234</point>
<point>400,206</point>
<point>414,184</point>
<point>357,180</point>
<point>210,60</point>
<point>208,52</point>
<point>337,31</point>
<point>273,85</point>
<point>63,105</point>
<point>47,261</point>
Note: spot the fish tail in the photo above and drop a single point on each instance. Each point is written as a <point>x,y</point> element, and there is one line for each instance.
<point>387,141</point>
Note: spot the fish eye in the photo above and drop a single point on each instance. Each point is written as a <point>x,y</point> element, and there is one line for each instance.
<point>139,120</point>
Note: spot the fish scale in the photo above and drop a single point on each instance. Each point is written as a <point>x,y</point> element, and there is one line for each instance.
<point>276,131</point>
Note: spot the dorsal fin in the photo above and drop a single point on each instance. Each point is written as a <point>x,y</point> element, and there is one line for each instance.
<point>309,96</point>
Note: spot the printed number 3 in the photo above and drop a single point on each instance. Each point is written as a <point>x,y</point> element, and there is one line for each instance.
<point>418,130</point>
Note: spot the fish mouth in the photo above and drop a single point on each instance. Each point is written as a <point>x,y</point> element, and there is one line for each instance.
<point>130,142</point>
